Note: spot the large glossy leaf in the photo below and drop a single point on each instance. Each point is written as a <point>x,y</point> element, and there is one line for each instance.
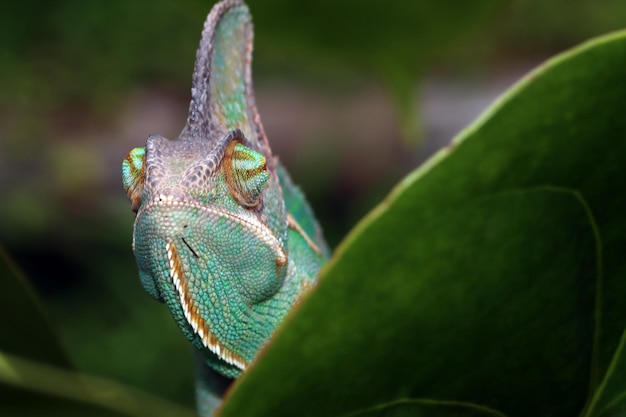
<point>494,274</point>
<point>466,312</point>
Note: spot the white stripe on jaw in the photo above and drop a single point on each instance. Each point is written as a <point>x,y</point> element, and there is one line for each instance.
<point>198,324</point>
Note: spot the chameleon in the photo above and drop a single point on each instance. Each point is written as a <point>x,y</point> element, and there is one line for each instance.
<point>221,234</point>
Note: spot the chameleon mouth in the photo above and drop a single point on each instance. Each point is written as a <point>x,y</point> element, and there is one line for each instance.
<point>190,310</point>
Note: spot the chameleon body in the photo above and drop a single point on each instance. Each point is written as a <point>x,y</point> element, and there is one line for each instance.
<point>221,234</point>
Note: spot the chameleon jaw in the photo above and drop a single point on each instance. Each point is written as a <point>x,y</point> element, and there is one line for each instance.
<point>199,325</point>
<point>249,221</point>
<point>176,271</point>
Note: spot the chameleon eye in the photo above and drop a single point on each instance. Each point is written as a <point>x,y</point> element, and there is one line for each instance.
<point>133,176</point>
<point>245,173</point>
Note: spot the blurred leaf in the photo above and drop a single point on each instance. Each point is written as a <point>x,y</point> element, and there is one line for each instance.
<point>116,315</point>
<point>493,274</point>
<point>25,329</point>
<point>74,387</point>
<point>426,408</point>
<point>610,397</point>
<point>29,345</point>
<point>30,388</point>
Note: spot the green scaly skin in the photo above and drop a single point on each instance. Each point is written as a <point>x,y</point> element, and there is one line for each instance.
<point>221,234</point>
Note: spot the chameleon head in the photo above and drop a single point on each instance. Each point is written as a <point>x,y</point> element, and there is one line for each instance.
<point>205,242</point>
<point>211,228</point>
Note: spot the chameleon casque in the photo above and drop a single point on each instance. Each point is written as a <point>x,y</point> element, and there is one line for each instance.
<point>221,234</point>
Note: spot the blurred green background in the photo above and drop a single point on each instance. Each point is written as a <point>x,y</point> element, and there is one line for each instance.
<point>353,95</point>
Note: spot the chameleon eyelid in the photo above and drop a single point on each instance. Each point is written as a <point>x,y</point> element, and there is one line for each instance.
<point>245,171</point>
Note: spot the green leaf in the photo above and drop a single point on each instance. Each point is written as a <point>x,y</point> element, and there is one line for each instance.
<point>493,274</point>
<point>467,312</point>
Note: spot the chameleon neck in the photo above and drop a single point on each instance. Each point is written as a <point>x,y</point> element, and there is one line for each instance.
<point>210,386</point>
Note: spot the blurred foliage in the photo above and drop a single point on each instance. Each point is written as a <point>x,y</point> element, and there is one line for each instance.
<point>70,51</point>
<point>51,390</point>
<point>36,376</point>
<point>394,40</point>
<point>548,26</point>
<point>73,49</point>
<point>20,301</point>
<point>67,72</point>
